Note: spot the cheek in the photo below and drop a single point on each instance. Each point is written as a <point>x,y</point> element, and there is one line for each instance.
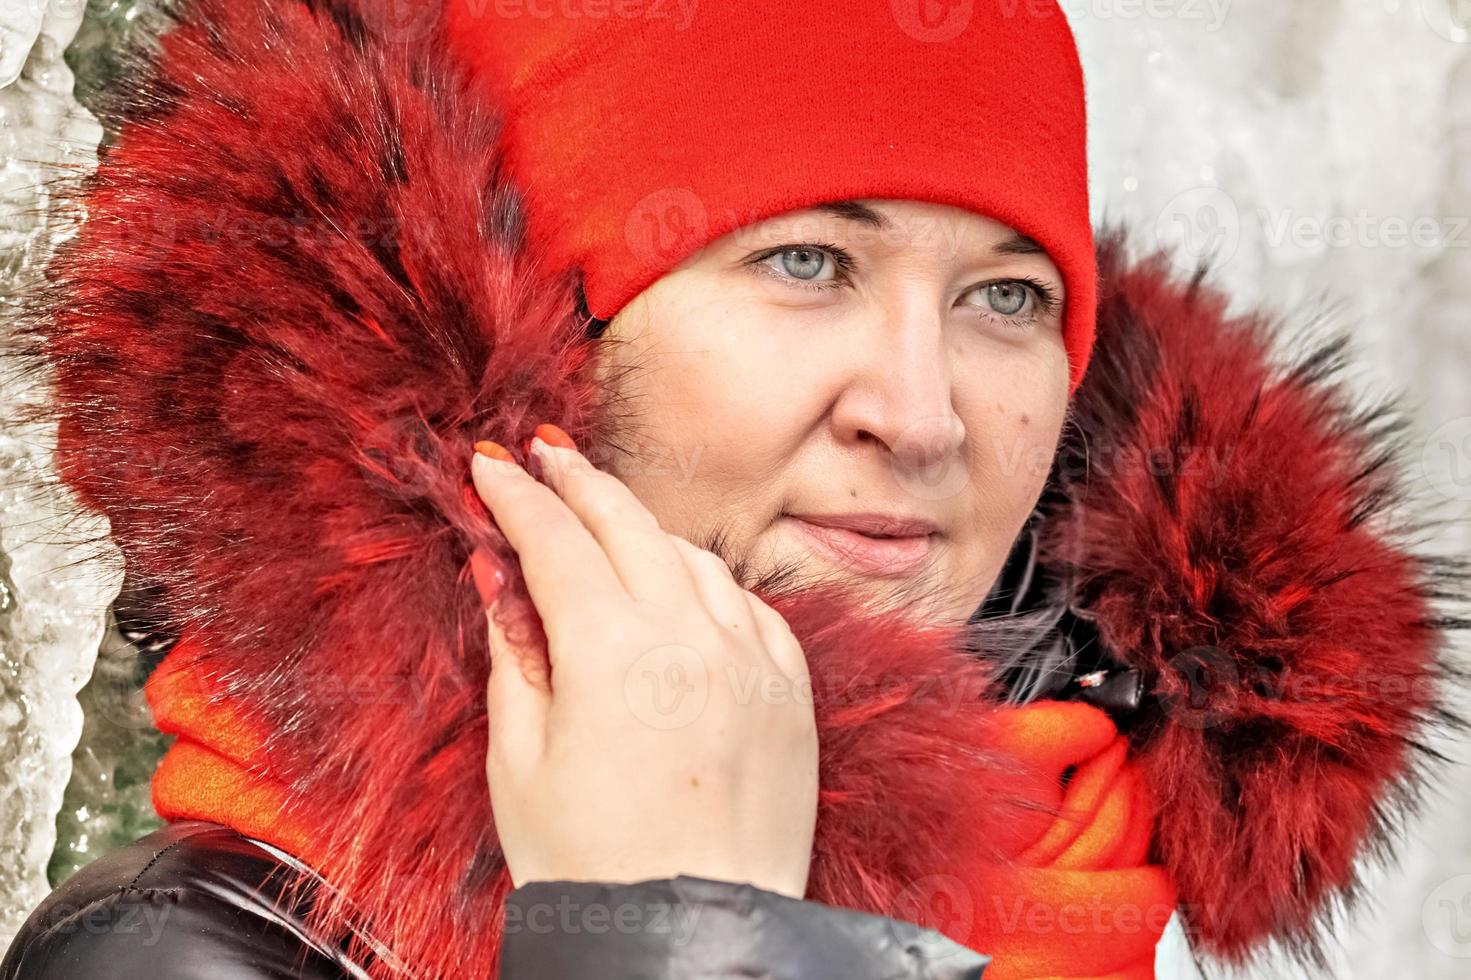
<point>710,421</point>
<point>1015,422</point>
<point>1013,462</point>
<point>1008,481</point>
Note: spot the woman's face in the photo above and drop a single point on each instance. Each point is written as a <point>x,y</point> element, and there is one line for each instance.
<point>887,358</point>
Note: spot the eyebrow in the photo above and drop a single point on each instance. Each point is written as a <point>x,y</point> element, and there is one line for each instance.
<point>854,211</point>
<point>1017,244</point>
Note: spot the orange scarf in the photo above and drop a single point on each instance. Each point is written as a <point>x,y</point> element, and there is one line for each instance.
<point>1078,903</point>
<point>1081,901</point>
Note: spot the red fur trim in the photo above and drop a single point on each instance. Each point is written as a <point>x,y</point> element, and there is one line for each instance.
<point>1225,521</point>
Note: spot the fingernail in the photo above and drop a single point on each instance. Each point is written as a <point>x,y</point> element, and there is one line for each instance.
<point>498,459</point>
<point>494,450</point>
<point>553,435</point>
<point>548,461</point>
<point>488,575</point>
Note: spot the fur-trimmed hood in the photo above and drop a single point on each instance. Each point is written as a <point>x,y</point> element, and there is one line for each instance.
<point>300,294</point>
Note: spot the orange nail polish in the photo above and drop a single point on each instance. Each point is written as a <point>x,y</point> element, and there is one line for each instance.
<point>494,450</point>
<point>554,436</point>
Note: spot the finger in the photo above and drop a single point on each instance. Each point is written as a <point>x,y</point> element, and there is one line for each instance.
<point>717,588</point>
<point>567,573</point>
<point>516,704</point>
<point>645,561</point>
<point>781,642</point>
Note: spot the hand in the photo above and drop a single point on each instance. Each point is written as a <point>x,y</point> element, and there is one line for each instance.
<point>676,735</point>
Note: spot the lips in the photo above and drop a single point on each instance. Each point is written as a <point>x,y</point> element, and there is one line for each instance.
<point>874,525</point>
<point>894,555</point>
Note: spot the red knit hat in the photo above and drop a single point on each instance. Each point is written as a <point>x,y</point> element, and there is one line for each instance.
<point>642,130</point>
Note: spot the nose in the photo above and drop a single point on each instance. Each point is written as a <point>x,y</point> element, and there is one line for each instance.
<point>901,391</point>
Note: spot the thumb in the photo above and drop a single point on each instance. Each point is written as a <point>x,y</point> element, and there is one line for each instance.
<point>516,704</point>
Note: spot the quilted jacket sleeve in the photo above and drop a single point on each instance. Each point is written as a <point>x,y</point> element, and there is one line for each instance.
<point>690,928</point>
<point>192,901</point>
<point>197,901</point>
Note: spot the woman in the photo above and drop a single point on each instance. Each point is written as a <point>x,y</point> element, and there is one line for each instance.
<point>818,369</point>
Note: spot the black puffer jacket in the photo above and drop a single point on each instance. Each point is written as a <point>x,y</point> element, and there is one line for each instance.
<point>199,901</point>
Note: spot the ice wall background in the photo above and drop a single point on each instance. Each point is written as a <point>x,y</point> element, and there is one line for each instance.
<point>1317,151</point>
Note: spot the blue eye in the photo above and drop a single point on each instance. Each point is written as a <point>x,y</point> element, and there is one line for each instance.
<point>1018,301</point>
<point>807,265</point>
<point>1007,298</point>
